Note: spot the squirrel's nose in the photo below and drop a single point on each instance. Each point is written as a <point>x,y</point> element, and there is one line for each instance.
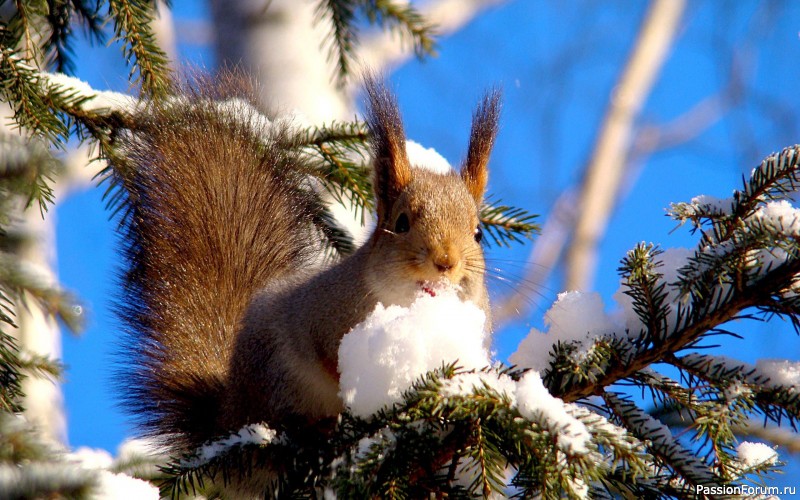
<point>444,262</point>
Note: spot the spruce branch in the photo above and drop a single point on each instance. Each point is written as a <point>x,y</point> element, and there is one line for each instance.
<point>339,153</point>
<point>26,27</point>
<point>644,285</point>
<point>28,169</point>
<point>776,176</point>
<point>437,439</point>
<point>400,18</point>
<point>721,284</point>
<point>775,401</point>
<point>702,318</point>
<point>25,92</point>
<point>340,14</point>
<point>505,224</point>
<point>662,444</point>
<point>40,366</point>
<point>132,26</point>
<point>19,283</point>
<point>60,17</point>
<point>405,20</point>
<point>10,375</point>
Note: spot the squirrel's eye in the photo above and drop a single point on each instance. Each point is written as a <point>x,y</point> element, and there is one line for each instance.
<point>478,233</point>
<point>402,225</point>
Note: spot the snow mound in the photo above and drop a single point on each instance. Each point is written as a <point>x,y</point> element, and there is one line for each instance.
<point>426,158</point>
<point>382,356</point>
<point>575,316</point>
<point>755,454</point>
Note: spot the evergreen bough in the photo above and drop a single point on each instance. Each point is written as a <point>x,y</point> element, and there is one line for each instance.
<point>429,443</point>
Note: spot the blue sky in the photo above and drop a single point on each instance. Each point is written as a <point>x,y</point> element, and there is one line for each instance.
<point>557,67</point>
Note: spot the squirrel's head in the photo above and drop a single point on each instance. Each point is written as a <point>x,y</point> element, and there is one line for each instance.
<point>428,228</point>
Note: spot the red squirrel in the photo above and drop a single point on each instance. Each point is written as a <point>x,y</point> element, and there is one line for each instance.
<point>229,321</point>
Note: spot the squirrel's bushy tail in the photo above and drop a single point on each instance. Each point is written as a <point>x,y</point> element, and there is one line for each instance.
<point>209,222</point>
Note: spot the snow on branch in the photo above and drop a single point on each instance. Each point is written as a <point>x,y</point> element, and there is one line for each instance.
<point>770,384</point>
<point>254,434</point>
<point>32,468</point>
<point>746,264</point>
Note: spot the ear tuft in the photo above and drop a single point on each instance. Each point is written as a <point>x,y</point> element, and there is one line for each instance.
<point>475,171</point>
<point>392,169</point>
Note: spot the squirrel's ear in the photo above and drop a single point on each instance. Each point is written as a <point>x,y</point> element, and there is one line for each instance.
<point>392,169</point>
<point>475,171</point>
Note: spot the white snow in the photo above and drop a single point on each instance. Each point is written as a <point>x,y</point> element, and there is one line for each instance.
<point>575,316</point>
<point>784,218</point>
<point>15,479</point>
<point>536,403</point>
<point>350,219</point>
<point>755,454</point>
<point>384,435</point>
<point>426,158</point>
<point>249,434</point>
<point>121,487</point>
<point>381,357</point>
<point>91,458</point>
<point>112,486</point>
<point>465,384</point>
<point>781,215</point>
<point>581,317</point>
<point>100,100</point>
<point>713,204</point>
<point>240,110</point>
<point>736,390</point>
<point>781,372</point>
<point>579,488</point>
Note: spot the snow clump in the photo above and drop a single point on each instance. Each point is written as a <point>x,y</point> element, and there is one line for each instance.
<point>383,355</point>
<point>755,454</point>
<point>394,346</point>
<point>575,316</point>
<point>426,158</point>
<point>536,403</point>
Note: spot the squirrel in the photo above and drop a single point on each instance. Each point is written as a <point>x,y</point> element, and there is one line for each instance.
<point>229,318</point>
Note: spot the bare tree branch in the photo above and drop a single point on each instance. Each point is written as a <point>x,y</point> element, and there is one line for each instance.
<point>607,162</point>
<point>693,122</point>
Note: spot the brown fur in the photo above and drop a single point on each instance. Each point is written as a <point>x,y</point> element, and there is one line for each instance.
<point>208,202</point>
<point>230,323</point>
